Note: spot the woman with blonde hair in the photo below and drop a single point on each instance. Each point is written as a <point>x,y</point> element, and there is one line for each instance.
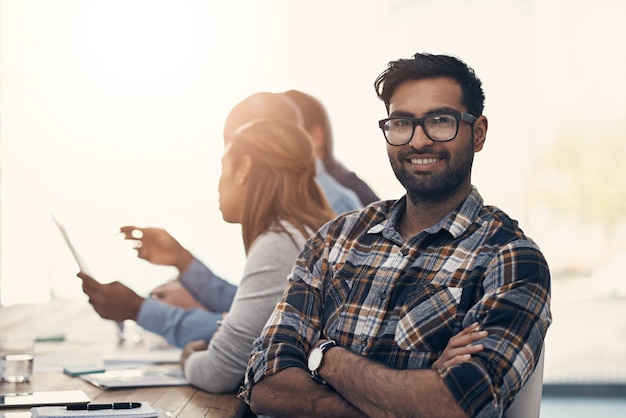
<point>268,186</point>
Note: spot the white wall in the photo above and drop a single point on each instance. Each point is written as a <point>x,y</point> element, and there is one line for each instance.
<point>112,111</point>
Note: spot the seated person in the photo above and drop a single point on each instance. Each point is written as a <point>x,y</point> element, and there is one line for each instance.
<point>317,124</point>
<point>377,294</point>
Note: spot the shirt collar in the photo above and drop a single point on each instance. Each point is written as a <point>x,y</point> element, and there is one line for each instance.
<point>456,222</point>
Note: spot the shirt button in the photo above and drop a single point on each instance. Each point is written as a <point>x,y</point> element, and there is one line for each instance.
<point>405,251</point>
<point>383,295</point>
<point>364,342</point>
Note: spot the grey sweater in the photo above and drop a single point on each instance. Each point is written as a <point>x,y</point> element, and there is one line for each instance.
<point>221,367</point>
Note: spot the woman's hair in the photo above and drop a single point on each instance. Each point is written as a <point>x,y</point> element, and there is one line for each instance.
<point>281,181</point>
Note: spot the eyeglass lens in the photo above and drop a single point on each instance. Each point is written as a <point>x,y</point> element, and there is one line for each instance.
<point>436,127</point>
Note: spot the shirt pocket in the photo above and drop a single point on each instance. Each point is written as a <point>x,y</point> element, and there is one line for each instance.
<point>427,320</point>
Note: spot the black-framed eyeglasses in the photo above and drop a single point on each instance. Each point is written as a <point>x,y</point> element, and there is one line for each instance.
<point>439,127</point>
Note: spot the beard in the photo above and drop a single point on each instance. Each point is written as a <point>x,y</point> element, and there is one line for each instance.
<point>433,187</point>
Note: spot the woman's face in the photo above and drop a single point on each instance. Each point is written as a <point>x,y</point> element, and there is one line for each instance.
<point>232,189</point>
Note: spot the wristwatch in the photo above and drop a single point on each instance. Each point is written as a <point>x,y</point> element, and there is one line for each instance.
<point>315,359</point>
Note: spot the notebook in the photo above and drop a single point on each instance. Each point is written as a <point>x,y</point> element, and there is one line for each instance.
<point>144,411</point>
<point>40,398</point>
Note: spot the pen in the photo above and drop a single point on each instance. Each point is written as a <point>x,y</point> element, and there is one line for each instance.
<point>97,406</point>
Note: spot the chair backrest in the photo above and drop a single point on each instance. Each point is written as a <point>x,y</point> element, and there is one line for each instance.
<point>528,401</point>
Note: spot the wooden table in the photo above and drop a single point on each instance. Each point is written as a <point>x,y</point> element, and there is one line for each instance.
<point>87,336</point>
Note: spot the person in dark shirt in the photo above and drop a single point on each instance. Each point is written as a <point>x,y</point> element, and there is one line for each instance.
<point>317,123</point>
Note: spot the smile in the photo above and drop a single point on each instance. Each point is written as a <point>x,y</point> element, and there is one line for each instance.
<point>424,161</point>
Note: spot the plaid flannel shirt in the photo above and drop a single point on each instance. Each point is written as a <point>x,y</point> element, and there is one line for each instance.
<point>399,303</point>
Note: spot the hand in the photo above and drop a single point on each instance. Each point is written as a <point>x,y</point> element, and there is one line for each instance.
<point>461,347</point>
<point>191,348</point>
<point>174,293</point>
<point>157,246</point>
<point>111,300</point>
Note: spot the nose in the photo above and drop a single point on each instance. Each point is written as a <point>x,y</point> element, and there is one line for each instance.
<point>419,138</point>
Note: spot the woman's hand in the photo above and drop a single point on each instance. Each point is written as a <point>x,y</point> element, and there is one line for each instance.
<point>191,348</point>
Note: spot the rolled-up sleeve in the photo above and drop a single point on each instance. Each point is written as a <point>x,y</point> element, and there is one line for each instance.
<point>177,325</point>
<point>515,311</point>
<point>215,293</point>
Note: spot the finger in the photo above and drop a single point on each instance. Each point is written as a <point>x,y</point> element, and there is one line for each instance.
<point>157,294</point>
<point>466,331</point>
<point>450,353</point>
<point>199,345</point>
<point>142,252</point>
<point>461,355</point>
<point>465,338</point>
<point>190,348</point>
<point>473,337</point>
<point>88,281</point>
<point>457,360</point>
<point>132,232</point>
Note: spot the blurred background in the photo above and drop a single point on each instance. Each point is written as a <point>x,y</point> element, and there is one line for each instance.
<point>111,113</point>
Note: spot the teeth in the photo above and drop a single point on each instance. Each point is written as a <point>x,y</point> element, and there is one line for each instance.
<point>422,161</point>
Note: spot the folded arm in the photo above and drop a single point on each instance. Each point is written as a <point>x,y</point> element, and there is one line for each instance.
<point>354,385</point>
<point>292,392</point>
<point>380,391</point>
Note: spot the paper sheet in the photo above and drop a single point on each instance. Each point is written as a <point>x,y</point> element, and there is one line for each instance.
<point>79,260</point>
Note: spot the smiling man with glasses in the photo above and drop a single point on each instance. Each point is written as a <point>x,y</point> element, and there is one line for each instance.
<point>378,296</point>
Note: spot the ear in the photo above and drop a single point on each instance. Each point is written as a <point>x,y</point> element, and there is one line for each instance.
<point>243,170</point>
<point>480,132</point>
<point>317,136</point>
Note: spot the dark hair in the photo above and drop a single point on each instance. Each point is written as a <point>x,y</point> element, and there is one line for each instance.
<point>314,113</point>
<point>422,66</point>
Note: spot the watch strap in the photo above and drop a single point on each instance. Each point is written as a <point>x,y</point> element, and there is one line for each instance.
<point>322,347</point>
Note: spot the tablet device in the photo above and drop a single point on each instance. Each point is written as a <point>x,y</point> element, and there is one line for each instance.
<point>52,397</point>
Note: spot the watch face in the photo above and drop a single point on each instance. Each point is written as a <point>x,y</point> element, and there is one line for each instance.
<point>315,358</point>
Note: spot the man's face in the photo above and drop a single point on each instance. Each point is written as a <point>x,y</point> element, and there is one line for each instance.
<point>429,170</point>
